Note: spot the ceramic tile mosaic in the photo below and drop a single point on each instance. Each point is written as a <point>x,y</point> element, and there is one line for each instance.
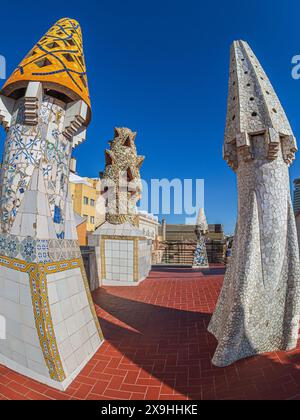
<point>200,257</point>
<point>61,50</point>
<point>124,254</point>
<point>122,161</point>
<point>38,239</point>
<point>259,306</point>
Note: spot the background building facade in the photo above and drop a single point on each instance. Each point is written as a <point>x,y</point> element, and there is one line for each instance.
<point>85,193</point>
<point>296,198</point>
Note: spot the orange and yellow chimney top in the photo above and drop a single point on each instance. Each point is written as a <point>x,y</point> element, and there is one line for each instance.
<point>57,61</point>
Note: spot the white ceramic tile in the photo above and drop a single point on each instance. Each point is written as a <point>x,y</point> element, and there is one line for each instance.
<point>12,291</point>
<point>79,319</point>
<point>72,286</point>
<point>5,349</point>
<point>41,205</point>
<point>66,308</point>
<point>42,231</point>
<point>34,353</point>
<point>87,313</point>
<point>88,347</point>
<point>29,335</point>
<point>38,368</point>
<point>26,315</point>
<point>80,284</point>
<point>83,300</point>
<point>16,345</point>
<point>62,289</point>
<point>29,204</point>
<point>61,332</point>
<point>56,314</point>
<point>84,334</point>
<point>123,261</point>
<point>52,293</point>
<point>71,325</point>
<point>13,328</point>
<point>25,295</point>
<point>28,223</point>
<point>19,358</point>
<point>66,349</point>
<point>80,355</point>
<point>123,254</point>
<point>123,246</point>
<point>76,341</point>
<point>76,303</point>
<point>71,364</point>
<point>115,246</point>
<point>95,341</point>
<point>11,310</point>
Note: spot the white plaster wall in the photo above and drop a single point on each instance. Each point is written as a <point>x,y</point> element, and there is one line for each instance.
<point>75,330</point>
<point>22,344</point>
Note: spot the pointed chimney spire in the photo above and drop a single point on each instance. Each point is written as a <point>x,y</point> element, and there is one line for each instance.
<point>253,107</point>
<point>201,220</point>
<point>57,61</point>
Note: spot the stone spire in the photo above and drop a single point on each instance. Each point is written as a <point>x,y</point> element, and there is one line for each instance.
<point>253,108</point>
<point>259,305</point>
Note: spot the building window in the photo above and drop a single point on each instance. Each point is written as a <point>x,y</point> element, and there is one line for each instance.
<point>92,219</point>
<point>92,202</point>
<point>85,200</point>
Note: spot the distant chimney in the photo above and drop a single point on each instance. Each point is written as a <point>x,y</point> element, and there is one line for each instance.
<point>73,165</point>
<point>164,229</point>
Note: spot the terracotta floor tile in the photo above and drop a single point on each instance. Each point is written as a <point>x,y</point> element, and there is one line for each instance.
<point>157,347</point>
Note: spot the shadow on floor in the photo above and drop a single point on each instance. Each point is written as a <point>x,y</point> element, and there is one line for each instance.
<point>174,346</point>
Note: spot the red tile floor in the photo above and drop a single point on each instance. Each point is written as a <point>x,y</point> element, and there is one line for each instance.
<point>157,347</point>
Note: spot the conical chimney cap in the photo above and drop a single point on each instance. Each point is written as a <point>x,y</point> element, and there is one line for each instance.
<point>57,61</point>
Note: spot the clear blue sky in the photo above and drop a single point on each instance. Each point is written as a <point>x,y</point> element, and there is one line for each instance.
<point>161,67</point>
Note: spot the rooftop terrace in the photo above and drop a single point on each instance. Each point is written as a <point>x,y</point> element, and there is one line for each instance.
<point>157,347</point>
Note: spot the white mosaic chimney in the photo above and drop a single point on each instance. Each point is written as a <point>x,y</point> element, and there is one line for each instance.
<point>259,305</point>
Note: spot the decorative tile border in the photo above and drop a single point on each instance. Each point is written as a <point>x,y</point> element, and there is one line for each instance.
<point>41,308</point>
<point>38,250</point>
